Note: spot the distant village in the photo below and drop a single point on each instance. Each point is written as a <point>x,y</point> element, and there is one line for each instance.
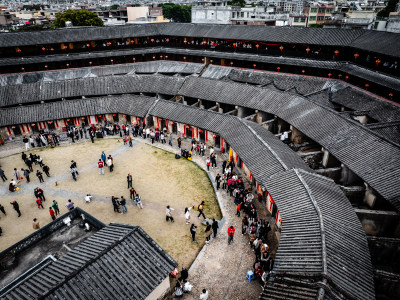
<point>368,14</point>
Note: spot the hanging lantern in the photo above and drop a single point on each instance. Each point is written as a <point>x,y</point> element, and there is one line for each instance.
<point>257,46</point>
<point>33,124</point>
<point>90,63</point>
<point>88,45</point>
<point>329,75</point>
<point>112,61</point>
<point>13,127</point>
<point>154,57</point>
<point>166,56</point>
<point>346,77</point>
<point>19,50</point>
<point>185,41</point>
<point>167,40</point>
<point>202,59</point>
<point>336,52</point>
<point>132,42</point>
<point>23,69</point>
<point>367,85</point>
<point>124,116</point>
<point>231,63</point>
<point>43,49</point>
<point>254,66</point>
<point>356,55</point>
<point>390,95</point>
<point>160,56</point>
<point>340,76</point>
<point>45,67</point>
<point>114,115</point>
<point>303,71</point>
<point>211,61</point>
<point>307,49</point>
<point>234,45</point>
<point>134,59</point>
<point>83,118</point>
<point>65,47</point>
<point>51,49</point>
<point>152,40</point>
<point>278,68</point>
<point>214,135</point>
<point>281,48</point>
<point>99,116</point>
<point>68,120</point>
<point>184,58</point>
<point>204,42</point>
<point>378,61</point>
<point>50,122</point>
<point>67,65</point>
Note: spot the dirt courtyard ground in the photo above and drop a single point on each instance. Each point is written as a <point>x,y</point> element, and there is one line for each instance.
<point>158,177</point>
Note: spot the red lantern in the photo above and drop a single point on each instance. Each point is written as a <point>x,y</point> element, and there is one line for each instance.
<point>303,71</point>
<point>68,120</point>
<point>281,48</point>
<point>114,115</point>
<point>390,95</point>
<point>19,50</point>
<point>366,85</point>
<point>278,68</point>
<point>346,77</point>
<point>166,56</point>
<point>132,42</point>
<point>231,63</point>
<point>13,127</point>
<point>329,75</point>
<point>211,61</point>
<point>154,57</point>
<point>307,49</point>
<point>160,56</point>
<point>340,76</point>
<point>99,116</point>
<point>45,67</point>
<point>51,49</point>
<point>67,65</point>
<point>83,118</point>
<point>88,45</point>
<point>124,116</point>
<point>356,55</point>
<point>204,42</point>
<point>202,59</point>
<point>257,46</point>
<point>90,63</point>
<point>184,58</point>
<point>185,41</point>
<point>167,39</point>
<point>254,66</point>
<point>234,45</point>
<point>22,69</point>
<point>378,61</point>
<point>33,124</point>
<point>50,122</point>
<point>43,49</point>
<point>112,61</point>
<point>336,52</point>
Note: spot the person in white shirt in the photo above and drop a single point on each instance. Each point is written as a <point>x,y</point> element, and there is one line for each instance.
<point>187,214</point>
<point>88,198</point>
<point>204,295</point>
<point>168,214</point>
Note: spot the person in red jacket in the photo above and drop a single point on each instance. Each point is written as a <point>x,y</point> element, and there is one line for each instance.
<point>231,232</point>
<point>52,213</point>
<point>101,167</point>
<point>39,203</point>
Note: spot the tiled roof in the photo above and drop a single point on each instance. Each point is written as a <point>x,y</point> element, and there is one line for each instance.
<point>320,238</point>
<point>117,255</point>
<point>375,160</point>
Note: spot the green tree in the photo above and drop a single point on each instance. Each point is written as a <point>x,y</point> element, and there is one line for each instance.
<point>390,7</point>
<point>114,7</point>
<point>320,25</point>
<point>177,13</point>
<point>78,18</point>
<point>240,3</point>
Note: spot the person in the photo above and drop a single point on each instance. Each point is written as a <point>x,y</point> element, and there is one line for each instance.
<point>28,163</point>
<point>46,170</point>
<point>39,175</point>
<point>218,181</point>
<point>168,214</point>
<point>178,290</point>
<point>132,193</point>
<point>187,214</point>
<point>2,175</point>
<point>26,174</point>
<point>17,174</point>
<point>207,232</point>
<point>129,180</point>
<point>32,141</point>
<point>122,201</point>
<point>39,203</point>
<point>88,198</point>
<point>100,164</point>
<point>70,205</point>
<point>204,295</point>
<point>162,137</point>
<point>74,166</point>
<point>170,139</point>
<point>115,204</point>
<point>26,142</point>
<point>215,227</point>
<point>130,141</point>
<point>200,209</point>
<point>35,224</point>
<point>39,160</point>
<point>73,173</point>
<point>2,209</point>
<point>184,275</point>
<point>12,186</point>
<point>138,200</point>
<point>208,163</point>
<point>110,163</point>
<point>179,142</point>
<point>231,233</point>
<point>55,207</point>
<point>52,213</point>
<point>193,231</point>
<point>103,157</point>
<point>16,207</point>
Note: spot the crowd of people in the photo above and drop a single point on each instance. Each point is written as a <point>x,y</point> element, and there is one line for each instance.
<point>42,139</point>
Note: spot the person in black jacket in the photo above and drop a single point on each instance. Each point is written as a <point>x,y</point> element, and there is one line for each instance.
<point>46,169</point>
<point>16,207</point>
<point>215,227</point>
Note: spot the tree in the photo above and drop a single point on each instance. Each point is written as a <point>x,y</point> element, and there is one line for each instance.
<point>320,25</point>
<point>390,7</point>
<point>78,18</point>
<point>240,3</point>
<point>177,13</point>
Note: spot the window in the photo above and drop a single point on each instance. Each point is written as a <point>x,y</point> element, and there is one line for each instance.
<point>314,10</point>
<point>320,18</point>
<point>327,18</point>
<point>296,20</point>
<point>242,14</point>
<point>329,10</point>
<point>233,15</point>
<point>313,18</point>
<point>303,20</point>
<point>321,10</point>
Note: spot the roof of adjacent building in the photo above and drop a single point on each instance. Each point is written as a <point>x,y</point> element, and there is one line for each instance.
<point>372,158</point>
<point>90,270</point>
<point>361,39</point>
<point>321,238</point>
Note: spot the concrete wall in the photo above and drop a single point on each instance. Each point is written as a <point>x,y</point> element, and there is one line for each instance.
<point>380,223</point>
<point>160,290</point>
<point>211,15</point>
